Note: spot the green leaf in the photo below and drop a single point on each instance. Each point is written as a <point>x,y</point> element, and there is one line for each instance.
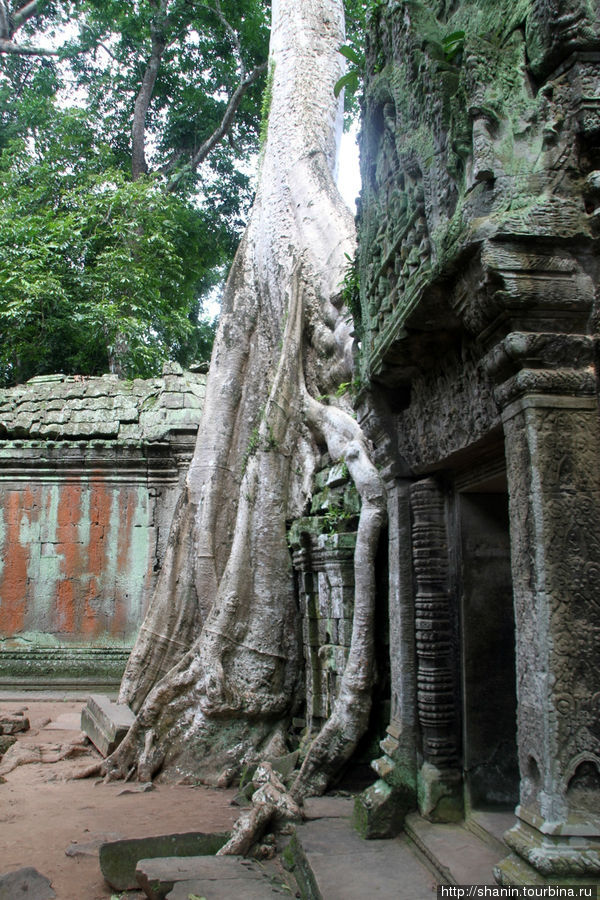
<point>350,81</point>
<point>352,56</point>
<point>454,37</point>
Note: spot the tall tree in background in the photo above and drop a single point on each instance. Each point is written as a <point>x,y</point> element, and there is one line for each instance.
<point>124,133</point>
<point>215,672</point>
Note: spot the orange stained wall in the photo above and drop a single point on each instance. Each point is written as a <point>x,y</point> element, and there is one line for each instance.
<point>76,560</point>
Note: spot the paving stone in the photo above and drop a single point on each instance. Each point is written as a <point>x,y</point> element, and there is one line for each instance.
<point>118,859</point>
<point>157,877</point>
<point>105,723</point>
<point>27,883</point>
<point>65,722</point>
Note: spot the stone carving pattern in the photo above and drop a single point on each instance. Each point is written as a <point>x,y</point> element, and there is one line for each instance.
<point>436,678</point>
<point>554,496</point>
<point>460,404</point>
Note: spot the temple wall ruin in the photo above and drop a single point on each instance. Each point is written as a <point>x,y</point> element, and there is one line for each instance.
<point>90,470</point>
<point>479,274</point>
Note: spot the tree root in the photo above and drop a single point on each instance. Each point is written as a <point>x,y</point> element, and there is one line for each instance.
<point>271,803</point>
<point>17,755</point>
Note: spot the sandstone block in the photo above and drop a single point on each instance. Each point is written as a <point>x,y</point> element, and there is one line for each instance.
<point>105,723</point>
<point>118,859</point>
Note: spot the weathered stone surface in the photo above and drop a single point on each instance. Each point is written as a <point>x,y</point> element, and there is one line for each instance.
<point>157,877</point>
<point>330,860</point>
<point>6,741</point>
<point>65,405</point>
<point>90,470</point>
<point>379,811</point>
<point>118,859</point>
<point>106,723</point>
<point>26,883</point>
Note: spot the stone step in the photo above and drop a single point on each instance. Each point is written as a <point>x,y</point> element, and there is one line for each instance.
<point>211,877</point>
<point>491,827</point>
<point>332,862</point>
<point>456,854</point>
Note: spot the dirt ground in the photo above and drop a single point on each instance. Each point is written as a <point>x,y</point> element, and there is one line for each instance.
<point>44,813</point>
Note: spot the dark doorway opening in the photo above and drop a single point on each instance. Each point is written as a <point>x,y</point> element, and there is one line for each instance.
<point>491,775</point>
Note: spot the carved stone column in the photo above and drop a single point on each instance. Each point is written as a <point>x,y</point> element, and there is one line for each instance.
<point>552,433</point>
<point>381,809</point>
<point>439,777</point>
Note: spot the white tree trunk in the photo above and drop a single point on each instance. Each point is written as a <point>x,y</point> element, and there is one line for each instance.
<point>216,668</point>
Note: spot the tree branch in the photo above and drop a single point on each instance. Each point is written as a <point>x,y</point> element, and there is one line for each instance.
<point>232,34</point>
<point>139,166</point>
<point>5,33</point>
<point>20,49</point>
<point>225,124</point>
<point>24,13</point>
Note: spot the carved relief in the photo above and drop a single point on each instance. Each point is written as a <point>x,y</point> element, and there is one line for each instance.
<point>460,404</point>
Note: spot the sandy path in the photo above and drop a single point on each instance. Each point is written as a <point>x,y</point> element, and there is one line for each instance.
<point>42,813</point>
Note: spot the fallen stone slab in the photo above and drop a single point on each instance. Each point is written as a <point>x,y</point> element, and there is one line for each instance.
<point>13,724</point>
<point>157,877</point>
<point>118,859</point>
<point>27,883</point>
<point>106,723</point>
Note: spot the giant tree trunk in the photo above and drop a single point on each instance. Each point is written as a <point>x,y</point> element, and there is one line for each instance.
<point>214,674</point>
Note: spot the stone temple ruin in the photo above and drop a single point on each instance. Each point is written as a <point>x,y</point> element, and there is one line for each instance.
<point>479,273</point>
<point>479,276</point>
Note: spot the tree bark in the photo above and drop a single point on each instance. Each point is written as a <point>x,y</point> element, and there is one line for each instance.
<point>215,672</point>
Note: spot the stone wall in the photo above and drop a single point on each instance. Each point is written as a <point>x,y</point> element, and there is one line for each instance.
<point>90,470</point>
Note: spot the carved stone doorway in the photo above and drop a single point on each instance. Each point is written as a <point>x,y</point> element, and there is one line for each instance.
<point>487,642</point>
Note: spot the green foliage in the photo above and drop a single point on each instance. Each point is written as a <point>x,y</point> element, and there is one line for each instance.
<point>95,269</point>
<point>453,45</point>
<point>353,77</point>
<point>353,50</point>
<point>93,262</point>
<point>199,70</point>
<point>351,293</point>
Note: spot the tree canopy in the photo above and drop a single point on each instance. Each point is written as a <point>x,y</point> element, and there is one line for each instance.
<point>125,135</point>
<point>127,139</point>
